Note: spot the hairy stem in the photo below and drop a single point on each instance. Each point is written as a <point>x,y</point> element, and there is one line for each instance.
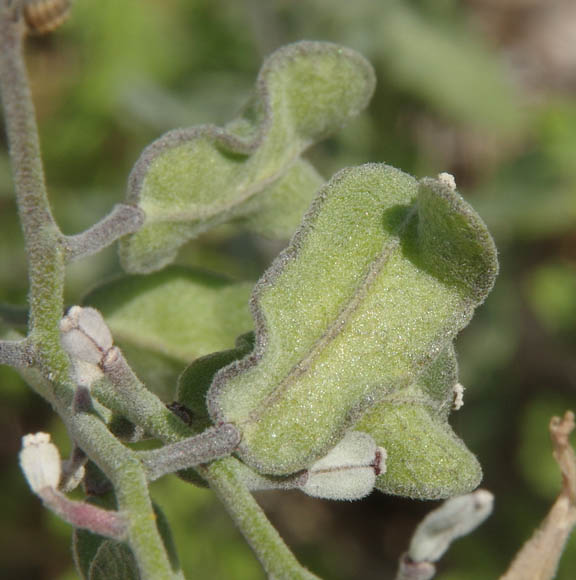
<point>128,477</point>
<point>221,475</point>
<point>41,234</point>
<point>46,260</point>
<point>274,555</point>
<point>123,219</point>
<point>214,443</point>
<point>15,353</point>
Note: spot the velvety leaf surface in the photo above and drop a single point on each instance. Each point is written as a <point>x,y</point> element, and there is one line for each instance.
<point>192,179</point>
<point>195,381</point>
<point>278,212</point>
<point>426,460</point>
<point>113,560</point>
<point>84,547</point>
<point>374,286</point>
<point>179,312</point>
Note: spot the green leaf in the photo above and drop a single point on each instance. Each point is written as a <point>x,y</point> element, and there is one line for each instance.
<point>192,179</point>
<point>195,381</point>
<point>374,286</point>
<point>179,313</point>
<point>85,545</point>
<point>98,558</point>
<point>426,460</point>
<point>280,209</point>
<point>114,560</point>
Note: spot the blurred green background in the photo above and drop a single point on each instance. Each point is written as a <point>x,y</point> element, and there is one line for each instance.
<point>483,89</point>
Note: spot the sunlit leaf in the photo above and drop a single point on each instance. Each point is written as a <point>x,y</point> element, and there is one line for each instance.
<point>382,275</point>
<point>192,179</point>
<point>426,460</point>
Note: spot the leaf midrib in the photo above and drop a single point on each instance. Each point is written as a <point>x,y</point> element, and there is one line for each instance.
<point>339,323</point>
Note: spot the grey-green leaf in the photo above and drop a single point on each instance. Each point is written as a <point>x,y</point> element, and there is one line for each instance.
<point>114,560</point>
<point>278,211</point>
<point>425,459</point>
<point>192,179</point>
<point>375,285</point>
<point>195,381</point>
<point>179,312</point>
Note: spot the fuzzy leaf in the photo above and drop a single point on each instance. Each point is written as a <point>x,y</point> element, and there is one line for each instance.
<point>194,382</point>
<point>179,312</point>
<point>426,460</point>
<point>192,179</point>
<point>85,545</point>
<point>113,560</point>
<point>277,213</point>
<point>98,558</point>
<point>374,286</point>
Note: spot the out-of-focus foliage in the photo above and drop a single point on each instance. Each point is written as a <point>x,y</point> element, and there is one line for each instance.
<point>484,89</point>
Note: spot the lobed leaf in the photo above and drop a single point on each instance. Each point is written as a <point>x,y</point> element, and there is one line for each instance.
<point>192,179</point>
<point>426,460</point>
<point>375,285</point>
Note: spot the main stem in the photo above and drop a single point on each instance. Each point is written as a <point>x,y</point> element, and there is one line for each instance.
<point>42,237</point>
<point>46,260</point>
<point>276,558</point>
<point>273,553</point>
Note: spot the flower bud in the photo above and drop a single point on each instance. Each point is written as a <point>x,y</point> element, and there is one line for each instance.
<point>456,517</point>
<point>84,335</point>
<point>348,471</point>
<point>40,462</point>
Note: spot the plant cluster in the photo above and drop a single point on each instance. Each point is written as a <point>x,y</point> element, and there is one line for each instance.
<point>346,381</point>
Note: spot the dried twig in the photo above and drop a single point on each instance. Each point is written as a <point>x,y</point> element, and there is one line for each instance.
<point>539,557</point>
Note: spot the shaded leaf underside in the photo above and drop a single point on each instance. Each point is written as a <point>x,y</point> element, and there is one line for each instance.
<point>180,312</point>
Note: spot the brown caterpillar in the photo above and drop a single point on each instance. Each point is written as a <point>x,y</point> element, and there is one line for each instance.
<point>44,16</point>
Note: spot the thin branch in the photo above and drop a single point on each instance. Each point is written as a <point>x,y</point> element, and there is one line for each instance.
<point>46,268</point>
<point>73,470</point>
<point>540,555</point>
<point>15,353</point>
<point>123,219</point>
<point>121,389</point>
<point>212,444</point>
<point>128,478</point>
<point>20,120</point>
